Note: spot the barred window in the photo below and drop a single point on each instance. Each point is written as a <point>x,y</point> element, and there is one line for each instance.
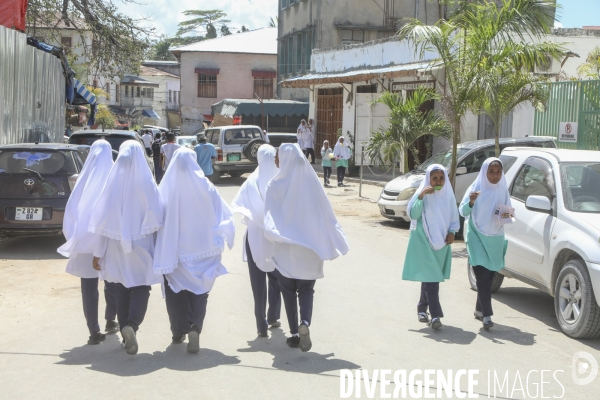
<point>263,87</point>
<point>207,85</point>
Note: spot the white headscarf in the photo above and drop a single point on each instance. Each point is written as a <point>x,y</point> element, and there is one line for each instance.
<point>491,195</point>
<point>251,204</point>
<point>341,150</point>
<point>197,220</point>
<point>129,207</point>
<point>297,210</point>
<point>440,215</point>
<point>323,148</point>
<point>83,198</point>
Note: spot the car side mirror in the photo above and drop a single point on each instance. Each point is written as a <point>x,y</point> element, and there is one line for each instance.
<point>538,203</point>
<point>461,170</point>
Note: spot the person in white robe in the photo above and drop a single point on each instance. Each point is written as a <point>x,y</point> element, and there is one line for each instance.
<point>126,217</point>
<point>257,250</point>
<point>79,246</point>
<point>197,225</point>
<point>300,222</point>
<point>342,154</point>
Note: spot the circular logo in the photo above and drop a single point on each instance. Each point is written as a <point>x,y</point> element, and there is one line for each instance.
<point>29,182</point>
<point>568,128</point>
<point>585,368</point>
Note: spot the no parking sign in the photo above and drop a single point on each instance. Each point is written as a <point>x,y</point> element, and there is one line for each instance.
<point>568,132</point>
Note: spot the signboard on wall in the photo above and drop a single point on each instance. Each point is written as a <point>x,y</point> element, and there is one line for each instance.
<point>567,132</point>
<point>400,86</point>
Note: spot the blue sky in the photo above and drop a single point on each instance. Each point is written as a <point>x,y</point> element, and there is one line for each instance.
<point>256,13</point>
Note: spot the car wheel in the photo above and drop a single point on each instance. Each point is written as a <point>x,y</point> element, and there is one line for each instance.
<point>496,283</point>
<point>251,149</point>
<point>235,174</point>
<point>575,305</point>
<point>215,178</point>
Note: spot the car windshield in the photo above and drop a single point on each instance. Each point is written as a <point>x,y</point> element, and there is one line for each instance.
<point>444,157</point>
<point>45,162</point>
<point>185,141</point>
<point>115,141</point>
<point>581,182</point>
<point>240,136</point>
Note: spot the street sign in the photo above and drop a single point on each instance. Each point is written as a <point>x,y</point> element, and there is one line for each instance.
<point>567,132</point>
<point>399,86</point>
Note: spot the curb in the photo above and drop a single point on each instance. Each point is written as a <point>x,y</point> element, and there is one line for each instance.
<point>357,180</point>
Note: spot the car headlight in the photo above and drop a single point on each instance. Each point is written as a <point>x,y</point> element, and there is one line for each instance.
<point>406,194</point>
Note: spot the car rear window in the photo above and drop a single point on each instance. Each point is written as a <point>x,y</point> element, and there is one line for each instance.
<point>115,141</point>
<point>240,136</point>
<point>46,162</point>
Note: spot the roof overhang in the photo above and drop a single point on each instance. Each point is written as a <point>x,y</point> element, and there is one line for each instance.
<point>396,71</point>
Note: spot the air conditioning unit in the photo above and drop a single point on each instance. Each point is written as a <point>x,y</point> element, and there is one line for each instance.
<point>550,67</point>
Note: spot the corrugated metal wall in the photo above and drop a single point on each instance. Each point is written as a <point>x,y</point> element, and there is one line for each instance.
<point>32,92</point>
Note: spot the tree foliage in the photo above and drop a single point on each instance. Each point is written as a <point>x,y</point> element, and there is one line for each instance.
<point>203,22</point>
<point>118,43</point>
<point>591,68</point>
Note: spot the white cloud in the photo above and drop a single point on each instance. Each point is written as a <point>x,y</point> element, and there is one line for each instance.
<point>166,14</point>
<point>557,24</point>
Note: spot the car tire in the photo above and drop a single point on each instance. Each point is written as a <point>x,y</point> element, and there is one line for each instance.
<point>496,283</point>
<point>251,149</point>
<point>574,278</point>
<point>215,178</point>
<point>235,174</point>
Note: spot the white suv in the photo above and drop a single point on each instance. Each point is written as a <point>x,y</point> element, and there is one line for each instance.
<point>554,242</point>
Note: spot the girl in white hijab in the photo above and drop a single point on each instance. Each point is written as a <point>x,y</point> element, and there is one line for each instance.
<point>342,154</point>
<point>484,236</point>
<point>434,222</point>
<point>126,216</point>
<point>80,243</point>
<point>301,224</point>
<point>301,134</point>
<point>258,251</point>
<point>198,224</point>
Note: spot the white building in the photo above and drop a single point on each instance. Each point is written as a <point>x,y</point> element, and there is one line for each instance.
<point>165,100</point>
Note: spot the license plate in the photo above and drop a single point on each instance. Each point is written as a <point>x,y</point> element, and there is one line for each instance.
<point>28,214</point>
<point>234,157</point>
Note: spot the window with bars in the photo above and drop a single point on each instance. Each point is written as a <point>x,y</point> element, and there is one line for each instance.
<point>207,85</point>
<point>138,91</point>
<point>351,37</point>
<point>295,52</point>
<point>66,43</point>
<point>263,87</point>
<point>117,94</point>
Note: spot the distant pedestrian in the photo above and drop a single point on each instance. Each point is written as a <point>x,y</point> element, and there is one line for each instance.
<point>127,215</point>
<point>326,156</point>
<point>301,135</point>
<point>167,151</point>
<point>300,223</point>
<point>156,145</point>
<point>434,222</point>
<point>80,243</point>
<point>257,250</point>
<point>147,139</point>
<point>342,154</point>
<point>205,154</point>
<point>190,244</point>
<point>485,239</point>
<point>309,140</point>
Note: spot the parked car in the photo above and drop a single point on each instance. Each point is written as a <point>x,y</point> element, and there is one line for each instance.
<point>553,243</point>
<point>276,139</point>
<point>112,136</point>
<point>237,146</point>
<point>395,196</point>
<point>36,182</point>
<point>185,141</point>
<point>156,129</point>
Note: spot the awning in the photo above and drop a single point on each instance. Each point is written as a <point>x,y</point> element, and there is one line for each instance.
<point>148,112</point>
<point>264,73</point>
<point>83,92</point>
<point>209,71</point>
<point>395,71</point>
<point>252,107</point>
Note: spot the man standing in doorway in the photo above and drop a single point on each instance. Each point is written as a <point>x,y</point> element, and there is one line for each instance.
<point>167,150</point>
<point>147,139</point>
<point>205,154</point>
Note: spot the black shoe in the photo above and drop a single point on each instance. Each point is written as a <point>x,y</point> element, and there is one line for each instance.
<point>305,343</point>
<point>478,315</point>
<point>436,323</point>
<point>178,339</point>
<point>328,181</point>
<point>488,324</point>
<point>111,326</point>
<point>129,340</point>
<point>274,324</point>
<point>423,317</point>
<point>293,341</point>
<point>263,334</point>
<point>339,185</point>
<point>194,340</point>
<point>96,338</point>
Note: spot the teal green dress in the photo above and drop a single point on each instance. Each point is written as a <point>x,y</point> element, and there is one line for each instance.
<point>486,251</point>
<point>341,163</point>
<point>325,160</point>
<point>422,263</point>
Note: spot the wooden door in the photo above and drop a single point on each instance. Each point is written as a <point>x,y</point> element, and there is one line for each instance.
<point>421,143</point>
<point>329,115</point>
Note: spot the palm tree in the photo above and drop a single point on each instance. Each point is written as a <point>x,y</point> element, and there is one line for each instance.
<point>407,123</point>
<point>273,22</point>
<point>591,68</point>
<point>206,19</point>
<point>469,37</point>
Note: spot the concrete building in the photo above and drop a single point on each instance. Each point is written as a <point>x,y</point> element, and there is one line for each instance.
<point>165,99</point>
<point>239,66</point>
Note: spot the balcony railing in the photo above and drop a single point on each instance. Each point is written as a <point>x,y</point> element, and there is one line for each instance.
<point>131,102</point>
<point>173,107</point>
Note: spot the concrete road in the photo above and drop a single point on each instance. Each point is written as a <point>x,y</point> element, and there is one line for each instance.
<point>364,318</point>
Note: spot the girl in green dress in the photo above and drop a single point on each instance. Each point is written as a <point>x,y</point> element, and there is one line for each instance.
<point>342,154</point>
<point>484,235</point>
<point>434,222</point>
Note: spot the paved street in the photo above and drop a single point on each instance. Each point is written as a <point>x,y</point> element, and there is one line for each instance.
<point>364,318</point>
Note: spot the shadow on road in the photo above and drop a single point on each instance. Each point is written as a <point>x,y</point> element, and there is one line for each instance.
<point>110,358</point>
<point>535,304</point>
<point>227,181</point>
<point>286,358</point>
<point>500,334</point>
<point>31,248</point>
<point>390,223</point>
<point>448,334</point>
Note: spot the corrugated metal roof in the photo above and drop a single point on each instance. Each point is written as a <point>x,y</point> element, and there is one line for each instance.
<point>260,41</point>
<point>149,71</point>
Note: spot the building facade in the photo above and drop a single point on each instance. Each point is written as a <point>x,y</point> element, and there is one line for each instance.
<point>239,66</point>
